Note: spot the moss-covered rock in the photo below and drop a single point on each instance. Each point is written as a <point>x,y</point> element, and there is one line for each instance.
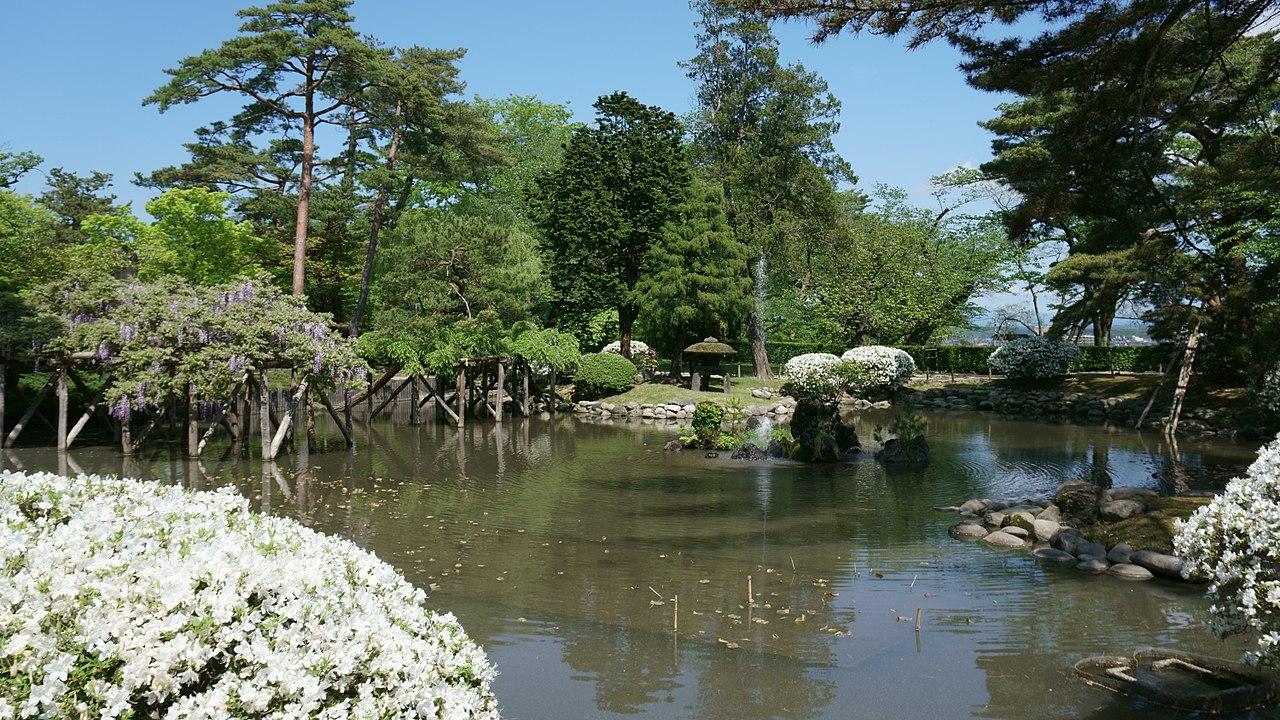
<point>1153,530</point>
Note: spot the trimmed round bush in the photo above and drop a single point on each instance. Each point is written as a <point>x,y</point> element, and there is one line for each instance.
<point>1234,543</point>
<point>603,374</point>
<point>1034,358</point>
<point>877,368</point>
<point>643,356</point>
<point>815,376</point>
<point>124,598</point>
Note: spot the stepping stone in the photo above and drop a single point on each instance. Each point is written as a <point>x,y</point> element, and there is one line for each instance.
<point>1158,563</point>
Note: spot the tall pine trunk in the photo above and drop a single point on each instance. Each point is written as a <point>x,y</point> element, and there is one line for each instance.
<point>375,226</point>
<point>626,318</point>
<point>677,355</point>
<point>304,198</point>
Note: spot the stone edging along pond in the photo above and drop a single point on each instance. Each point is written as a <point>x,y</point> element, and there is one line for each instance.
<point>1039,526</point>
<point>677,410</point>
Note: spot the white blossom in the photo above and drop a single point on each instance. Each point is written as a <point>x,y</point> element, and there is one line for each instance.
<point>1234,542</point>
<point>642,356</point>
<point>117,595</point>
<point>1034,358</point>
<point>813,375</point>
<point>878,368</point>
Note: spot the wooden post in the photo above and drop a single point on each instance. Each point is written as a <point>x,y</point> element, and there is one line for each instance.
<point>193,422</point>
<point>264,412</point>
<point>524,375</point>
<point>413,400</point>
<point>346,417</point>
<point>62,406</point>
<point>462,394</point>
<point>553,403</point>
<point>502,384</point>
<point>2,384</point>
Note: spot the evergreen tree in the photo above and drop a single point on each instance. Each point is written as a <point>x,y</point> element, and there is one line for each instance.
<point>72,198</point>
<point>763,130</point>
<point>605,208</point>
<point>697,280</point>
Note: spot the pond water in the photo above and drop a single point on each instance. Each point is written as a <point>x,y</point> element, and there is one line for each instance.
<point>560,545</point>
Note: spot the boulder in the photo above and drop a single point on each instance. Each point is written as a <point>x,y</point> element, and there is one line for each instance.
<point>994,519</point>
<point>1054,555</point>
<point>1119,553</point>
<point>1129,571</point>
<point>1120,509</point>
<point>1003,539</point>
<point>973,507</point>
<point>1093,565</point>
<point>1022,519</point>
<point>749,451</point>
<point>1045,529</point>
<point>895,452</point>
<point>1091,550</point>
<point>1066,540</point>
<point>1050,513</point>
<point>967,531</point>
<point>1078,500</point>
<point>1017,532</point>
<point>1158,563</point>
<point>673,446</point>
<point>1128,493</point>
<point>775,449</point>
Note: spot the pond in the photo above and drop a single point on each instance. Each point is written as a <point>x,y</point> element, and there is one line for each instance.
<point>560,545</point>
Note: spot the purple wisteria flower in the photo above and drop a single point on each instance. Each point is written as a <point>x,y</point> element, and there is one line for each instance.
<point>236,364</point>
<point>104,351</point>
<point>121,409</point>
<point>128,333</point>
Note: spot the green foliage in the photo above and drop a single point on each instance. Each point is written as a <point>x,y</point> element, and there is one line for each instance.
<point>695,275</point>
<point>907,426</point>
<point>707,418</point>
<point>548,349</point>
<point>156,338</point>
<point>73,198</point>
<point>603,374</point>
<point>605,207</point>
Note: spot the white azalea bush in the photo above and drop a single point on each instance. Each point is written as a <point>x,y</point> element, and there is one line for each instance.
<point>129,599</point>
<point>642,356</point>
<point>878,368</point>
<point>1234,542</point>
<point>1034,358</point>
<point>816,376</point>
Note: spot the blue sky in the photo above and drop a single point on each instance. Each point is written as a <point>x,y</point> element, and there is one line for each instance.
<point>76,73</point>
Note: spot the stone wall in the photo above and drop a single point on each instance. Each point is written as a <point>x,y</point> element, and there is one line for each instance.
<point>675,411</point>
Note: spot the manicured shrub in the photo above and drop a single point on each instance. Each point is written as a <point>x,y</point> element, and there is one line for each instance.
<point>642,356</point>
<point>1234,543</point>
<point>1034,358</point>
<point>877,368</point>
<point>814,375</point>
<point>603,374</point>
<point>124,598</point>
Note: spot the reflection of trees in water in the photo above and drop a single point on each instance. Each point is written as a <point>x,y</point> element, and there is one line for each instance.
<point>1028,657</point>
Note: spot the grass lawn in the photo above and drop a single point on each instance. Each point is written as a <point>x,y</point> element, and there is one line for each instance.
<point>654,393</point>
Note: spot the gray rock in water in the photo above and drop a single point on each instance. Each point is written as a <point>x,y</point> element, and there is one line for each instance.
<point>994,519</point>
<point>1003,539</point>
<point>1045,529</point>
<point>1050,513</point>
<point>749,451</point>
<point>967,531</point>
<point>1018,532</point>
<point>1066,540</point>
<point>1129,571</point>
<point>1093,565</point>
<point>1121,509</point>
<point>1077,499</point>
<point>1119,553</point>
<point>973,506</point>
<point>1098,551</point>
<point>673,446</point>
<point>1054,555</point>
<point>1158,563</point>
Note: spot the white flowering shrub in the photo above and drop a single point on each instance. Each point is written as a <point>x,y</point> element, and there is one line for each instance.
<point>642,356</point>
<point>878,368</point>
<point>1034,358</point>
<point>1267,394</point>
<point>128,599</point>
<point>814,375</point>
<point>1234,542</point>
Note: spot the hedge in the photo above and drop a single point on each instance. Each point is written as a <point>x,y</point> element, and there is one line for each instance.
<point>973,358</point>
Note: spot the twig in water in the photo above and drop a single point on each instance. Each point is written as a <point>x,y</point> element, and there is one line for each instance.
<point>675,614</point>
<point>913,581</point>
<point>655,592</point>
<point>917,619</point>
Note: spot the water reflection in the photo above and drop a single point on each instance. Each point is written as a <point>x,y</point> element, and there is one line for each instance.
<point>560,546</point>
